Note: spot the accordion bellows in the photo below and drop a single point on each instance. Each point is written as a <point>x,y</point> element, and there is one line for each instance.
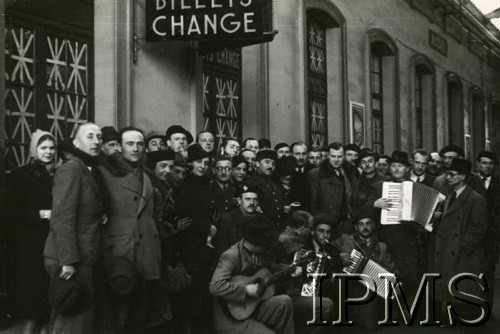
<point>411,202</point>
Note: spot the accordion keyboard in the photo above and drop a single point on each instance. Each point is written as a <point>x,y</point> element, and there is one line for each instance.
<point>365,266</point>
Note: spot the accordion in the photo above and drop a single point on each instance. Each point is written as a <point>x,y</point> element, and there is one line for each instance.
<point>362,265</point>
<point>411,202</point>
<point>317,266</point>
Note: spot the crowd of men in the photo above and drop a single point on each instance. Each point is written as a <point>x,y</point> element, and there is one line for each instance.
<point>169,232</point>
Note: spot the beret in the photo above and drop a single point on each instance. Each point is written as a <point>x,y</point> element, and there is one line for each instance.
<point>266,154</point>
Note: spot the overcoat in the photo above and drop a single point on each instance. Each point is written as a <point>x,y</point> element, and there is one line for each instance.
<point>191,201</point>
<point>130,231</point>
<point>458,243</point>
<point>30,190</point>
<point>74,236</point>
<point>77,213</point>
<point>332,194</point>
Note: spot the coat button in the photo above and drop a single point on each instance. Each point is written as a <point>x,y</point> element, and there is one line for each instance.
<point>136,198</point>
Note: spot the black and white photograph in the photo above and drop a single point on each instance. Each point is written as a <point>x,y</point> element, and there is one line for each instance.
<point>249,166</point>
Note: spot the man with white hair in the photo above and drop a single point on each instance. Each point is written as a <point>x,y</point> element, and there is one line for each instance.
<point>72,246</point>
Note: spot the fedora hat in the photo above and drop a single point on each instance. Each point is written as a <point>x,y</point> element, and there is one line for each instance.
<point>123,277</point>
<point>71,297</point>
<point>462,166</point>
<point>109,133</point>
<point>179,129</point>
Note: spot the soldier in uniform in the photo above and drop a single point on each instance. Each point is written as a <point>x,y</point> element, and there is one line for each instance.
<point>231,223</point>
<point>273,199</point>
<point>219,192</point>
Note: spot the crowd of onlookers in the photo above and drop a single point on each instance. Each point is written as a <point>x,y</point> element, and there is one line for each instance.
<point>134,232</point>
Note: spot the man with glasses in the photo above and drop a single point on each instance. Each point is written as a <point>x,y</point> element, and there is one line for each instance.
<point>458,244</point>
<point>447,153</point>
<point>219,191</point>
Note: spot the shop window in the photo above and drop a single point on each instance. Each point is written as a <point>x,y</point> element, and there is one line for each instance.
<point>222,94</point>
<point>455,110</point>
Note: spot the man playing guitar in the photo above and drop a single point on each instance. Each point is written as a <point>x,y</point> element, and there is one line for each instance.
<point>234,285</point>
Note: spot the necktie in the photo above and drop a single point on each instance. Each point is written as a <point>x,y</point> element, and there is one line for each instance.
<point>452,198</point>
<point>484,179</point>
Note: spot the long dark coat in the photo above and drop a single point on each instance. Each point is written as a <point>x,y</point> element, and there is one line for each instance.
<point>30,190</point>
<point>77,213</point>
<point>74,236</point>
<point>405,245</point>
<point>458,244</point>
<point>332,194</point>
<point>191,201</point>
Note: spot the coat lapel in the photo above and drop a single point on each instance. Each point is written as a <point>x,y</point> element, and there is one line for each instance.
<point>89,175</point>
<point>147,190</point>
<point>131,182</point>
<point>459,202</point>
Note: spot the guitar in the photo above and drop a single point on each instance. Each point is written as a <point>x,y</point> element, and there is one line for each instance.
<point>265,280</point>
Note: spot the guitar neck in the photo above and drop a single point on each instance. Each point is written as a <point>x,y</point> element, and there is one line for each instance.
<point>274,277</point>
<point>309,255</point>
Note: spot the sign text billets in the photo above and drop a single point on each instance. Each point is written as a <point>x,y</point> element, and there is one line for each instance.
<point>203,19</point>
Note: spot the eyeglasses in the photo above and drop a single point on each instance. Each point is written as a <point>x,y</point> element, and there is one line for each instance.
<point>223,169</point>
<point>450,174</point>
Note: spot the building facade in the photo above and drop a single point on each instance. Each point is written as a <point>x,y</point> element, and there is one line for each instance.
<point>387,74</point>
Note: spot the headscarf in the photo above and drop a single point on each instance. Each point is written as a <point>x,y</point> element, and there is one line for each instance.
<point>35,141</point>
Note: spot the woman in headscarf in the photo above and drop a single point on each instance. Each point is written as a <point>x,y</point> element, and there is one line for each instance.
<point>30,202</point>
